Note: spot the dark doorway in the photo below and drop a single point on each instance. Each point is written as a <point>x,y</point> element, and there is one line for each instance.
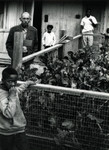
<point>97,9</point>
<point>37,20</point>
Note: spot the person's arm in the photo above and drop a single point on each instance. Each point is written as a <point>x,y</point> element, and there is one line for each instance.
<point>54,39</point>
<point>93,21</point>
<point>43,40</point>
<point>93,24</point>
<point>9,43</point>
<point>24,86</point>
<point>81,26</point>
<point>8,103</point>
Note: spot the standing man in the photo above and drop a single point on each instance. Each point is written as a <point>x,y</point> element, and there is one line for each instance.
<point>88,23</point>
<point>30,36</point>
<point>49,38</point>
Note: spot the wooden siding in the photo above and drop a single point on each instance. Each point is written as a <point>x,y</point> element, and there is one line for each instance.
<point>63,17</point>
<point>12,13</point>
<point>61,14</point>
<point>3,37</point>
<point>106,17</point>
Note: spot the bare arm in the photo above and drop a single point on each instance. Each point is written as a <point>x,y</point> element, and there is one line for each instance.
<point>93,24</point>
<point>81,28</point>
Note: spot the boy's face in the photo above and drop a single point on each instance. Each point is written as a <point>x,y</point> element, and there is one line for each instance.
<point>88,13</point>
<point>49,30</point>
<point>11,81</point>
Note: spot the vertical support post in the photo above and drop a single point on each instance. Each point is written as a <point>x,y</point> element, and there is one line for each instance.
<point>61,49</point>
<point>17,51</point>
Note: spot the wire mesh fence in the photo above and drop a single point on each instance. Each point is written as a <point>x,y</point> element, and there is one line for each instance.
<point>64,118</point>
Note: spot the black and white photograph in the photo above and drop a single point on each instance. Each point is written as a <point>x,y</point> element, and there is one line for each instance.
<point>54,74</point>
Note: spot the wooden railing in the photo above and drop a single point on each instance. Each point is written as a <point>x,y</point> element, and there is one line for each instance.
<point>57,46</point>
<point>50,49</point>
<point>89,93</point>
<point>29,57</point>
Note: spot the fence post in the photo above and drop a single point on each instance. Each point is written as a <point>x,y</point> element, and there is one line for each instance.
<point>61,49</point>
<point>17,51</point>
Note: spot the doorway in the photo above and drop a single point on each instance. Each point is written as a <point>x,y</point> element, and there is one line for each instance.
<point>97,9</point>
<point>37,20</point>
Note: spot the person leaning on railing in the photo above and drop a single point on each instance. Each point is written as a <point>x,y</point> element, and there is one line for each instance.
<point>12,119</point>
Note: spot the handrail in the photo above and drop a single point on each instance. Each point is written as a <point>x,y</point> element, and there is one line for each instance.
<point>66,90</point>
<point>31,56</point>
<point>88,93</point>
<point>76,37</point>
<point>95,34</point>
<point>80,35</point>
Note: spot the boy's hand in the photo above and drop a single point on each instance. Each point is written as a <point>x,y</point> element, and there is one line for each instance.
<point>44,45</point>
<point>91,20</point>
<point>31,82</point>
<point>12,91</point>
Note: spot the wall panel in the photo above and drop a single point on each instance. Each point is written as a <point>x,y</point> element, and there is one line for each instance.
<point>63,16</point>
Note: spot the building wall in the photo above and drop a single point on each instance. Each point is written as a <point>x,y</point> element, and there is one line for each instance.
<point>62,15</point>
<point>12,13</point>
<point>106,17</point>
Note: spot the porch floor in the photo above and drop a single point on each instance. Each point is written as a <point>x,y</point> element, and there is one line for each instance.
<point>4,58</point>
<point>4,61</point>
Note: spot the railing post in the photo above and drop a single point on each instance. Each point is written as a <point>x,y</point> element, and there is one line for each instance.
<point>61,49</point>
<point>17,51</point>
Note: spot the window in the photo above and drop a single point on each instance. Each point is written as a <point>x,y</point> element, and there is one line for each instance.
<point>1,14</point>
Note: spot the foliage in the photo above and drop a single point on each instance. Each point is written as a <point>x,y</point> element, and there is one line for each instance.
<point>71,120</point>
<point>81,70</point>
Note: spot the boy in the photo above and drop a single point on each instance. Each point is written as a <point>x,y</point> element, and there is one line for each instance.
<point>49,38</point>
<point>88,23</point>
<point>12,120</point>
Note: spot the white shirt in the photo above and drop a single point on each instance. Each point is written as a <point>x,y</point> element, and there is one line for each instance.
<point>49,39</point>
<point>87,24</point>
<point>24,33</point>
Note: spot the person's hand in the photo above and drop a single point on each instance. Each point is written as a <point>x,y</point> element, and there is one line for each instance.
<point>12,92</point>
<point>44,45</point>
<point>31,82</point>
<point>90,20</point>
<point>25,49</point>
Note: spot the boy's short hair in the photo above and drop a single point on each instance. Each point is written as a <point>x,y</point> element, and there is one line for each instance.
<point>65,58</point>
<point>49,26</point>
<point>88,9</point>
<point>107,30</point>
<point>7,72</point>
<point>70,53</point>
